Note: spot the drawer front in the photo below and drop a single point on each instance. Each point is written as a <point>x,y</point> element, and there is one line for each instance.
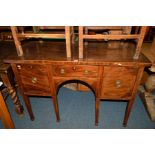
<point>75,70</point>
<point>118,82</point>
<point>34,79</point>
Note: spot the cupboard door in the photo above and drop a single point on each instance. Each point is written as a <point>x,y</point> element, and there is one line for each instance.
<point>118,82</point>
<point>34,79</point>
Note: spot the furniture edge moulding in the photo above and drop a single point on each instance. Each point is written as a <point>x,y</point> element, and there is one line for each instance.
<point>17,36</point>
<point>139,37</point>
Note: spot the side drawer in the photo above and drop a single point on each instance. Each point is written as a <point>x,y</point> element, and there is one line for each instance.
<point>118,82</point>
<point>75,70</point>
<point>34,79</point>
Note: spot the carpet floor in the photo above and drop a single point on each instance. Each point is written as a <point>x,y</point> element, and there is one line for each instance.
<point>77,111</point>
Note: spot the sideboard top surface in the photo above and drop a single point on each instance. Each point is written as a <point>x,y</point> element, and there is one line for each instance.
<point>55,51</point>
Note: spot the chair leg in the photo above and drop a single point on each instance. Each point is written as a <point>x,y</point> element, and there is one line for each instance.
<point>16,40</point>
<point>68,41</point>
<point>86,32</point>
<point>80,42</point>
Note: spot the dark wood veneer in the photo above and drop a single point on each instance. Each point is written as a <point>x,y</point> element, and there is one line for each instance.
<point>109,68</point>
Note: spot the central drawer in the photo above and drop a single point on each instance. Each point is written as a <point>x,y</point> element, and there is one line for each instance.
<point>75,70</point>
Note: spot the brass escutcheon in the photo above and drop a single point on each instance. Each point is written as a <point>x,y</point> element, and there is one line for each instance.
<point>118,83</point>
<point>62,71</point>
<point>86,72</point>
<point>34,80</point>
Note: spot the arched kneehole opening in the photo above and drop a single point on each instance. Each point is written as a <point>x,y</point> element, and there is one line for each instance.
<point>76,105</point>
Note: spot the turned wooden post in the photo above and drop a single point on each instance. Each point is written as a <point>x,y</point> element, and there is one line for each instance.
<point>7,77</point>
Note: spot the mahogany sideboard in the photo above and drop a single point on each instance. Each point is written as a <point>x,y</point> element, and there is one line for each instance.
<point>108,69</point>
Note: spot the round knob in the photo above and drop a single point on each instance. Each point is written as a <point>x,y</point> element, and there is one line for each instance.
<point>86,72</point>
<point>74,68</point>
<point>19,66</point>
<point>62,71</point>
<point>118,83</point>
<point>34,80</point>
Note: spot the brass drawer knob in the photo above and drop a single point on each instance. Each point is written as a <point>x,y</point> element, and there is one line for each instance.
<point>86,72</point>
<point>62,71</point>
<point>34,80</point>
<point>118,83</point>
<point>18,66</point>
<point>74,68</point>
